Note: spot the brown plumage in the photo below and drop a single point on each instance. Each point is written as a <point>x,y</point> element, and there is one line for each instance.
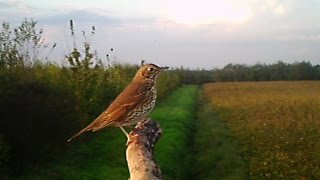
<point>134,103</point>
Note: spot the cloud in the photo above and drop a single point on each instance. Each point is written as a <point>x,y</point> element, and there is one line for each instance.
<point>205,12</point>
<point>86,16</point>
<point>299,37</point>
<point>93,17</point>
<point>276,7</point>
<point>13,10</point>
<point>279,9</point>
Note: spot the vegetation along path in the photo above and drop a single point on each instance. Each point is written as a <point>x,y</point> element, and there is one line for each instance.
<point>189,147</point>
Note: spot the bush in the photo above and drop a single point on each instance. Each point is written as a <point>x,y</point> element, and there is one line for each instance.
<point>4,156</point>
<point>37,115</point>
<point>167,82</point>
<point>42,105</point>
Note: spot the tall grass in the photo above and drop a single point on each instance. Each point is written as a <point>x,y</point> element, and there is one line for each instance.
<point>276,122</point>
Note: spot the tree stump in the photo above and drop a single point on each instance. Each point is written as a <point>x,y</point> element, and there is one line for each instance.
<point>142,139</point>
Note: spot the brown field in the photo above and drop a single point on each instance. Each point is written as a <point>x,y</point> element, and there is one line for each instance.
<point>277,124</point>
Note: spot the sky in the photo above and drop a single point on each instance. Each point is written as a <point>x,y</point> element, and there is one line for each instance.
<point>202,34</point>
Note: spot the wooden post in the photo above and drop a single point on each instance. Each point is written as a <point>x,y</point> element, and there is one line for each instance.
<point>142,139</point>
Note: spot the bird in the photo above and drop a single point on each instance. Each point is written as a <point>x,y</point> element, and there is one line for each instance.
<point>132,105</point>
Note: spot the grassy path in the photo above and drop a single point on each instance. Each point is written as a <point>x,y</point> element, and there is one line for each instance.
<point>217,154</point>
<point>176,115</point>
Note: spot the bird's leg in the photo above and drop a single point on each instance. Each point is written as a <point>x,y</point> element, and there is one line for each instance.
<point>124,131</point>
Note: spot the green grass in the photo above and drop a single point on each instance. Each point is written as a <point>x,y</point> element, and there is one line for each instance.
<point>176,115</point>
<point>217,154</point>
<point>101,155</point>
<point>93,156</point>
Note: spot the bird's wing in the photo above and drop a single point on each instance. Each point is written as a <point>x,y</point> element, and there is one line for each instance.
<point>124,103</point>
<point>132,96</point>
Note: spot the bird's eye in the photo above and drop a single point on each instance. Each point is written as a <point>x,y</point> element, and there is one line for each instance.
<point>150,69</point>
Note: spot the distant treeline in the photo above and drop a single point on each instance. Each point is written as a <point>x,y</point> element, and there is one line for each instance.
<point>267,72</point>
<point>279,71</point>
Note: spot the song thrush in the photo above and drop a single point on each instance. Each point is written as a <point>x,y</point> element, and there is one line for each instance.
<point>134,103</point>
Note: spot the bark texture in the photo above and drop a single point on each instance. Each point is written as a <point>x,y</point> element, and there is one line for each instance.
<point>142,139</point>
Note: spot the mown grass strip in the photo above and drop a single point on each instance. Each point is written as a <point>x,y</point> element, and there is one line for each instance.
<point>176,115</point>
<point>217,154</point>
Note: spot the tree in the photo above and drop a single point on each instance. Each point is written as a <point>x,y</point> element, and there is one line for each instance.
<point>9,55</point>
<point>21,45</point>
<point>28,39</point>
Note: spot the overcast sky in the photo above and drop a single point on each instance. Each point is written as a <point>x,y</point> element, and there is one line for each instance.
<point>197,34</point>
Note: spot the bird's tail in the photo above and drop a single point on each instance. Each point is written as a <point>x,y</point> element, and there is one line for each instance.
<point>79,133</point>
<point>93,126</point>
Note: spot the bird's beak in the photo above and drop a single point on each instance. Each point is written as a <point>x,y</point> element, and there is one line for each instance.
<point>164,68</point>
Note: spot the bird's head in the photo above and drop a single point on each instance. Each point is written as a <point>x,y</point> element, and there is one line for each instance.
<point>149,71</point>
